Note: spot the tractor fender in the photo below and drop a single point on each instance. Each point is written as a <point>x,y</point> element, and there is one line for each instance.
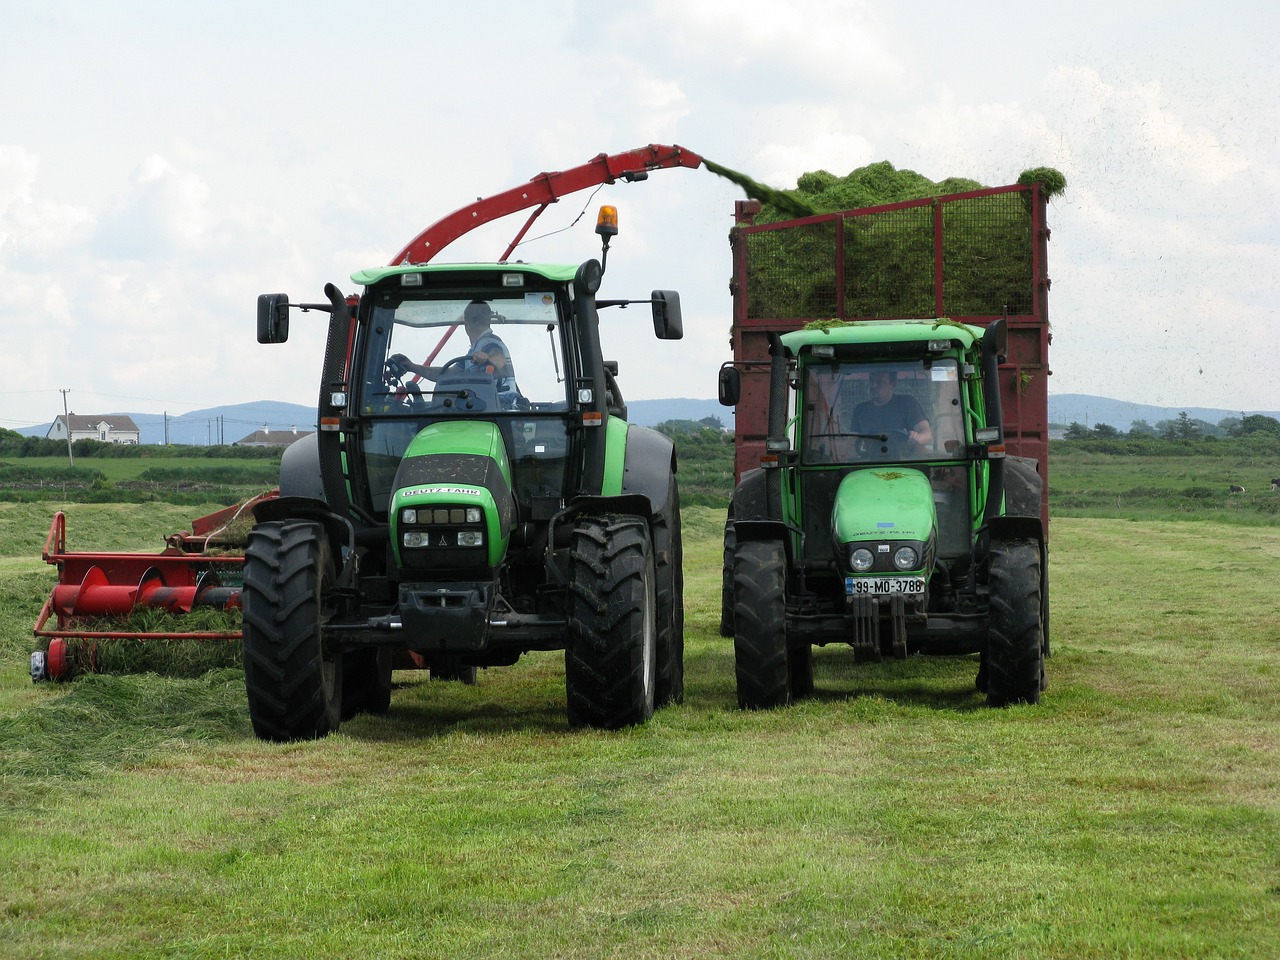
<point>648,465</point>
<point>339,530</point>
<point>300,469</point>
<point>749,496</point>
<point>749,531</point>
<point>1016,528</point>
<point>560,528</point>
<point>1022,487</point>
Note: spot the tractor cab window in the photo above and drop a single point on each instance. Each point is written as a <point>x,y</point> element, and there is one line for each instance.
<point>882,412</point>
<point>465,354</point>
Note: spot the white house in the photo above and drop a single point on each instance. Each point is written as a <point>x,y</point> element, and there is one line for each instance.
<point>107,428</point>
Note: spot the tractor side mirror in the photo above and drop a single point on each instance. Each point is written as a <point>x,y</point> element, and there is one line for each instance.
<point>667,322</point>
<point>730,386</point>
<point>273,318</point>
<point>995,339</point>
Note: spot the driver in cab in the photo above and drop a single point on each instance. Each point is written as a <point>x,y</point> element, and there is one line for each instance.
<point>487,354</point>
<point>896,416</point>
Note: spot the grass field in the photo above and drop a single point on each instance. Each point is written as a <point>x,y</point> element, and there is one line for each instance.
<point>1134,813</point>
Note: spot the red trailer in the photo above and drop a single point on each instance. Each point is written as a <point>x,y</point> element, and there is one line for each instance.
<point>972,257</point>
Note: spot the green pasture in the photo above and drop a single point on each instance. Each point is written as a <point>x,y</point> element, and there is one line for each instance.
<point>122,469</point>
<point>1134,813</point>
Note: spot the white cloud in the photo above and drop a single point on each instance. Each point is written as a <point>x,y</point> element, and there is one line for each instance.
<point>164,211</point>
<point>143,253</point>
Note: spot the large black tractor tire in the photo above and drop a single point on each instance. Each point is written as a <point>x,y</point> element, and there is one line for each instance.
<point>726,577</point>
<point>294,683</point>
<point>759,625</point>
<point>366,681</point>
<point>669,569</point>
<point>611,657</point>
<point>1014,658</point>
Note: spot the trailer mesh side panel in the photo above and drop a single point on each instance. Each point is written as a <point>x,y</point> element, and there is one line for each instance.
<point>793,271</point>
<point>888,264</point>
<point>986,256</point>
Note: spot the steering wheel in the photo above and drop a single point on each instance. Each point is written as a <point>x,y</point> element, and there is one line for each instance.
<point>456,361</point>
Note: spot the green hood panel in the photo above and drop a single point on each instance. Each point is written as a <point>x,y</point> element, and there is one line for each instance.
<point>895,503</point>
<point>457,463</point>
<point>478,437</point>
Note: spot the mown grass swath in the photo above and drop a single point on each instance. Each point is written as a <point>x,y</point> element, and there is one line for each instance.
<point>1135,812</point>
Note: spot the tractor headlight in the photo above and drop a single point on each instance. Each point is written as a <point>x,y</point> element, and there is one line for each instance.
<point>416,538</point>
<point>906,558</point>
<point>470,538</point>
<point>861,559</point>
<point>473,514</point>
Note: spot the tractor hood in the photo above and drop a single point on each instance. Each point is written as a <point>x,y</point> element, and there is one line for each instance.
<point>451,501</point>
<point>883,509</point>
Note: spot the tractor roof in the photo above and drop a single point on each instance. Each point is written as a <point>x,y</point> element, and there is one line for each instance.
<point>559,272</point>
<point>880,331</point>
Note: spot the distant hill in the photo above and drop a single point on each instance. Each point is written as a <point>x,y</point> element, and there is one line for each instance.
<point>1068,408</point>
<point>227,424</point>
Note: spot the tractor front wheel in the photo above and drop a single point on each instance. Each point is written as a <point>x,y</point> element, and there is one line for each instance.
<point>610,658</point>
<point>1014,660</point>
<point>759,625</point>
<point>293,681</point>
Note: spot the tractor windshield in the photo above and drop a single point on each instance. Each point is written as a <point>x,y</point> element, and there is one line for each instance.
<point>882,412</point>
<point>503,353</point>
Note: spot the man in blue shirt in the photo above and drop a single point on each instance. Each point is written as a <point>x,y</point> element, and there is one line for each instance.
<point>487,354</point>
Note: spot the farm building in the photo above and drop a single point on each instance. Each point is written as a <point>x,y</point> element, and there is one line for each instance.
<point>272,438</point>
<point>108,428</point>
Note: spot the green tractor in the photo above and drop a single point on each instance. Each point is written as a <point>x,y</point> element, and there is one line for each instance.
<point>885,514</point>
<point>465,500</point>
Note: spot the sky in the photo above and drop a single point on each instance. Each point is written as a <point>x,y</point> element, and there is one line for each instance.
<point>162,164</point>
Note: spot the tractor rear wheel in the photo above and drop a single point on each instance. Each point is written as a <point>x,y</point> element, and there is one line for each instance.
<point>669,569</point>
<point>1014,658</point>
<point>726,577</point>
<point>759,625</point>
<point>294,683</point>
<point>611,655</point>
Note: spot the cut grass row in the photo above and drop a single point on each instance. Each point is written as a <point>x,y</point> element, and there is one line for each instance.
<point>1136,812</point>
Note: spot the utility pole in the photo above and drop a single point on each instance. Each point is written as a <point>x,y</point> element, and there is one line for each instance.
<point>66,418</point>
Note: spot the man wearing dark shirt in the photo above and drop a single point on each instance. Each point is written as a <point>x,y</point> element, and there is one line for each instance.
<point>897,417</point>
